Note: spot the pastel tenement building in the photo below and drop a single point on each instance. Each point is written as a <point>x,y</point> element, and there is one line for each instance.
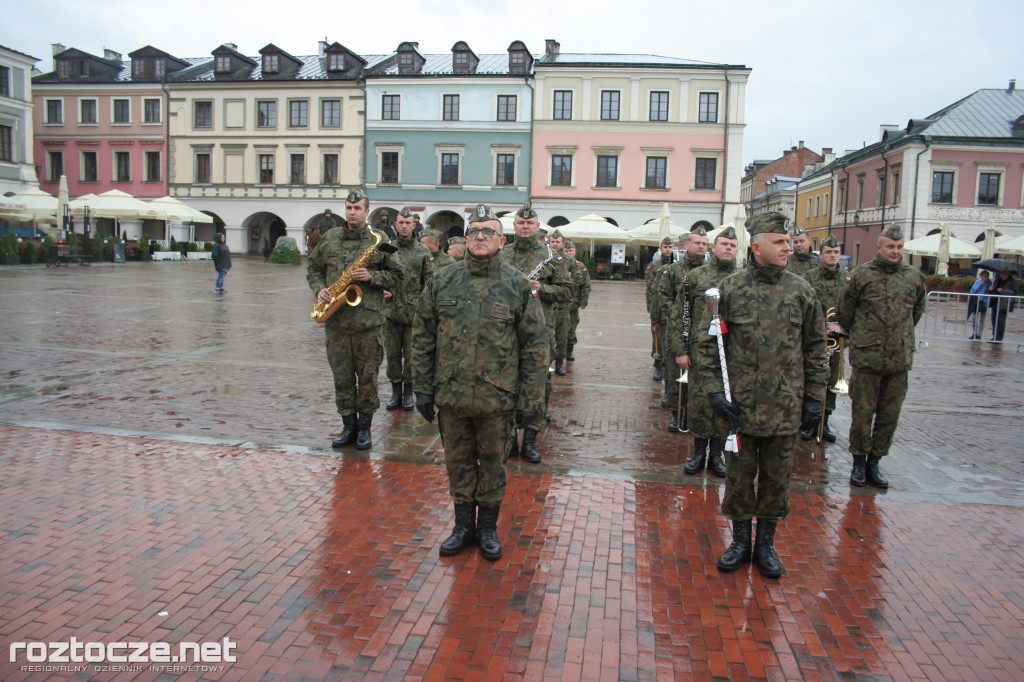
<point>619,135</point>
<point>16,124</point>
<point>962,165</point>
<point>445,132</point>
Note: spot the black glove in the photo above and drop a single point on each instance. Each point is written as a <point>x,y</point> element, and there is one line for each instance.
<point>425,406</point>
<point>526,417</point>
<point>811,411</point>
<point>725,409</point>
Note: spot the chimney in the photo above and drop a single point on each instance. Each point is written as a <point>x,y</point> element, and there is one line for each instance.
<point>825,151</point>
<point>57,49</point>
<point>1013,85</point>
<point>112,55</point>
<point>322,49</point>
<point>551,47</point>
<point>884,128</point>
<point>787,152</point>
<point>233,46</point>
<point>801,143</point>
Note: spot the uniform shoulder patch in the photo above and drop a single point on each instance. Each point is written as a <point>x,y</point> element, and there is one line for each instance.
<point>849,279</point>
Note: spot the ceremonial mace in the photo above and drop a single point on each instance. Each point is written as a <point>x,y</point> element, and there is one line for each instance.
<point>713,296</point>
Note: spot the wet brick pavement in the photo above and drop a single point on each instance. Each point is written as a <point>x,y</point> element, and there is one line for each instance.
<point>166,450</point>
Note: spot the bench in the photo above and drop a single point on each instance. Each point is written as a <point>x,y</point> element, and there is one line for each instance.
<point>62,254</point>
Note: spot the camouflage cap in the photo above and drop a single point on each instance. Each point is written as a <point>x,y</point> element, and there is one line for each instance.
<point>526,211</point>
<point>768,222</point>
<point>699,229</point>
<point>555,234</point>
<point>456,240</point>
<point>327,210</point>
<point>683,238</point>
<point>569,244</point>
<point>481,213</point>
<point>797,231</point>
<point>830,241</point>
<point>728,233</point>
<point>416,216</point>
<point>405,212</point>
<point>433,234</point>
<point>893,231</point>
<point>356,195</point>
<point>668,241</point>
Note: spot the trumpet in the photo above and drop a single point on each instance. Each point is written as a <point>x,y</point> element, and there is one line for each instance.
<point>834,342</point>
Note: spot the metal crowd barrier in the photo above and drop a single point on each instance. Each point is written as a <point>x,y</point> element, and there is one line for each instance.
<point>945,319</point>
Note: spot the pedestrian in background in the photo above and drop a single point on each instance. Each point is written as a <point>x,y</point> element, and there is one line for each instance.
<point>480,354</point>
<point>221,261</point>
<point>978,305</point>
<point>1001,290</point>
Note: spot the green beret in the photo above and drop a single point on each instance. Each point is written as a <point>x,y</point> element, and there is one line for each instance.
<point>405,212</point>
<point>569,244</point>
<point>456,240</point>
<point>481,213</point>
<point>667,241</point>
<point>555,234</point>
<point>894,231</point>
<point>830,241</point>
<point>699,229</point>
<point>526,211</point>
<point>728,233</point>
<point>355,195</point>
<point>768,222</point>
<point>797,231</point>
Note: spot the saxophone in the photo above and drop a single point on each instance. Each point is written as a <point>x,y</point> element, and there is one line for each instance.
<point>343,290</point>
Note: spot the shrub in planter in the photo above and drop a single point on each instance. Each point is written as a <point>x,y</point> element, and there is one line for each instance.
<point>132,251</point>
<point>29,251</point>
<point>72,239</point>
<point>286,251</point>
<point>144,248</point>
<point>191,246</point>
<point>97,247</point>
<point>9,249</point>
<point>208,246</point>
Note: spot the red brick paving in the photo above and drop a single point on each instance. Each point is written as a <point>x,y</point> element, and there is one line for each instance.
<point>146,489</point>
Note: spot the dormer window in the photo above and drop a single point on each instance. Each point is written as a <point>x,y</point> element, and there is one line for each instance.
<point>336,61</point>
<point>159,66</point>
<point>147,67</point>
<point>461,60</point>
<point>517,61</point>
<point>405,59</point>
<point>271,63</point>
<point>72,67</point>
<point>223,63</point>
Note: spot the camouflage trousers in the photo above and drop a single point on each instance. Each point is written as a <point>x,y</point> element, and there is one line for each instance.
<point>700,418</point>
<point>398,347</point>
<point>768,460</point>
<point>670,370</point>
<point>833,377</point>
<point>574,322</point>
<point>474,455</point>
<point>355,360</point>
<point>540,422</point>
<point>561,332</point>
<point>877,400</point>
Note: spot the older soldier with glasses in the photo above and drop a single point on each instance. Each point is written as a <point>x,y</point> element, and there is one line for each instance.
<point>480,354</point>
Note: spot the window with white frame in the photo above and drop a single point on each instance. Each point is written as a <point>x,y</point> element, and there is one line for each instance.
<point>54,165</point>
<point>449,168</point>
<point>391,107</point>
<point>265,168</point>
<point>204,168</point>
<point>203,114</point>
<point>298,113</point>
<point>942,187</point>
<point>562,105</point>
<point>297,167</point>
<point>6,142</point>
<point>389,165</point>
<point>659,106</point>
<point>266,114</point>
<point>120,111</point>
<point>607,171</point>
<point>90,167</point>
<point>610,105</point>
<point>708,107</point>
<point>331,166</point>
<point>656,172</point>
<point>330,113</point>
<point>450,108</point>
<point>152,173</point>
<point>54,112</point>
<point>506,107</point>
<point>561,169</point>
<point>505,169</point>
<point>706,173</point>
<point>87,111</point>
<point>122,166</point>
<point>151,110</point>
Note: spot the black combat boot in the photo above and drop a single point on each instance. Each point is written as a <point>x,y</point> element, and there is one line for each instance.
<point>396,395</point>
<point>560,368</point>
<point>738,552</point>
<point>765,556</point>
<point>528,450</point>
<point>464,533</point>
<point>408,399</point>
<point>348,432</point>
<point>363,442</point>
<point>716,465</point>
<point>809,431</point>
<point>859,476</point>
<point>487,532</point>
<point>513,450</point>
<point>874,476</point>
<point>657,371</point>
<point>673,423</point>
<point>568,352</point>
<point>826,433</point>
<point>695,464</point>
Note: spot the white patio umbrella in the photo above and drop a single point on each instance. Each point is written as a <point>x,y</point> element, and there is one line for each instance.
<point>169,208</point>
<point>929,246</point>
<point>12,209</point>
<point>742,238</point>
<point>988,248</point>
<point>1013,247</point>
<point>942,256</point>
<point>39,204</point>
<point>596,229</point>
<point>62,202</point>
<point>652,232</point>
<point>118,204</point>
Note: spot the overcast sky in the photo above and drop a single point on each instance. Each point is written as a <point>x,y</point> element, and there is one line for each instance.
<point>823,72</point>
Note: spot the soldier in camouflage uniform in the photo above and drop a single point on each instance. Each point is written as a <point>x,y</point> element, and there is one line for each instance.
<point>879,305</point>
<point>580,299</point>
<point>551,285</point>
<point>353,333</point>
<point>708,432</point>
<point>655,272</point>
<point>775,347</point>
<point>316,232</point>
<point>480,350</point>
<point>400,307</point>
<point>457,248</point>
<point>827,280</point>
<point>562,308</point>
<point>802,260</point>
<point>432,241</point>
<point>672,286</point>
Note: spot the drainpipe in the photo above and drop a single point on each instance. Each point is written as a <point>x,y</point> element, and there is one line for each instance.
<point>725,153</point>
<point>885,187</point>
<point>917,173</point>
<point>846,200</point>
<point>831,207</point>
<point>533,106</point>
<point>361,84</point>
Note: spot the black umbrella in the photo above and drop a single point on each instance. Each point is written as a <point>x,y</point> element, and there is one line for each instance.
<point>995,265</point>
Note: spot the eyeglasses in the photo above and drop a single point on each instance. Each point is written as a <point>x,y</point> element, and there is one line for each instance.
<point>487,232</point>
